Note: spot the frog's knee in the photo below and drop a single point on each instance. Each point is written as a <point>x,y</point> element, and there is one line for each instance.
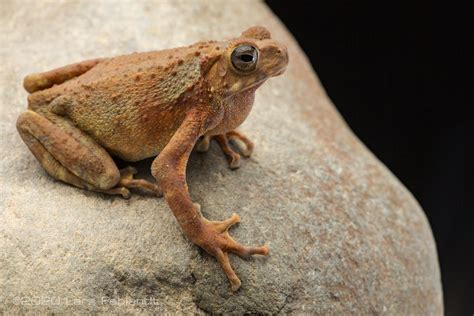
<point>24,120</point>
<point>20,121</point>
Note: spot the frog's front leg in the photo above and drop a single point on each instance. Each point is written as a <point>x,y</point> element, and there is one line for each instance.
<point>72,156</point>
<point>169,168</point>
<point>224,142</point>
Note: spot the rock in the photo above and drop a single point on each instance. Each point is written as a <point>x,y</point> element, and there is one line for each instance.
<point>345,236</point>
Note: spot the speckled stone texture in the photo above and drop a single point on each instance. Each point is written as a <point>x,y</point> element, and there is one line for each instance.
<point>345,236</point>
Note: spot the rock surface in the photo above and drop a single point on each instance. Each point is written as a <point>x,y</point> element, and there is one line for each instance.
<point>345,236</point>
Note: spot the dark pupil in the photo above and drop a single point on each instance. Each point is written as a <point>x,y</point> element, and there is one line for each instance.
<point>246,58</point>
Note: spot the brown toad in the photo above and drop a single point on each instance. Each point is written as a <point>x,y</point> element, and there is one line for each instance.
<point>152,104</point>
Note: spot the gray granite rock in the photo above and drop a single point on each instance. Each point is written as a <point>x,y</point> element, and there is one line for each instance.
<point>345,235</point>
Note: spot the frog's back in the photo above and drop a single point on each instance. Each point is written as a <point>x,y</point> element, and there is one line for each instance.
<point>128,71</point>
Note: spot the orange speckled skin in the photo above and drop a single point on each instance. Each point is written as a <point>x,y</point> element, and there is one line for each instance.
<point>143,105</point>
<point>132,105</point>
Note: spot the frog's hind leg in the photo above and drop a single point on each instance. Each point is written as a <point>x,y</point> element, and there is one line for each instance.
<point>70,155</point>
<point>40,81</point>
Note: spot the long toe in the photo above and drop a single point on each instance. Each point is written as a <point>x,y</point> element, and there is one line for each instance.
<point>234,161</point>
<point>246,252</point>
<point>223,226</point>
<point>127,180</point>
<point>223,259</point>
<point>247,149</point>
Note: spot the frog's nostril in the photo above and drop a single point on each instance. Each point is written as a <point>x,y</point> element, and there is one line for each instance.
<point>283,52</point>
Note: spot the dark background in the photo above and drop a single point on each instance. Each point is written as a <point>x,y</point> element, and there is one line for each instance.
<point>402,77</point>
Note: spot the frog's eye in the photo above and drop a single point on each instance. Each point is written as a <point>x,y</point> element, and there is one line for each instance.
<point>244,58</point>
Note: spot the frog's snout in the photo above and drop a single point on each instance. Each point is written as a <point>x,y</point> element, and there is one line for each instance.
<point>283,52</point>
<point>282,59</point>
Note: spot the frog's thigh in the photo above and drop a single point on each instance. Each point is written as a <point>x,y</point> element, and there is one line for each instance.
<point>44,80</point>
<point>67,153</point>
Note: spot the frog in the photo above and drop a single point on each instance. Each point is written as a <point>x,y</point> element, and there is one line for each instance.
<point>160,104</point>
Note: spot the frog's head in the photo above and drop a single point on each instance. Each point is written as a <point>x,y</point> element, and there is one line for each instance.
<point>247,62</point>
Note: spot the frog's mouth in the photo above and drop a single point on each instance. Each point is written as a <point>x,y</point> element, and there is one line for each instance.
<point>237,88</point>
<point>279,72</point>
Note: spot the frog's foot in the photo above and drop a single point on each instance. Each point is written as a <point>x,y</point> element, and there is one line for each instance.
<point>126,182</point>
<point>223,140</point>
<point>247,150</point>
<point>124,192</point>
<point>216,240</point>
